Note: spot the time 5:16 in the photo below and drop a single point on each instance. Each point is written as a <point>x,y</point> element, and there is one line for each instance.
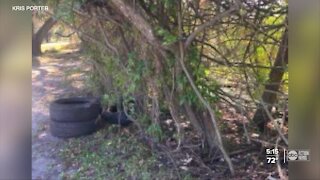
<point>272,151</point>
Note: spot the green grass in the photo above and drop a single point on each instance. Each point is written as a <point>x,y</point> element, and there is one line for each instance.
<point>110,154</point>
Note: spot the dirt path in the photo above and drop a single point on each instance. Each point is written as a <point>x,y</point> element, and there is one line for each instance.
<point>53,76</point>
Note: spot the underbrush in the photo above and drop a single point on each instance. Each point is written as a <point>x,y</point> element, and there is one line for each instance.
<point>111,153</point>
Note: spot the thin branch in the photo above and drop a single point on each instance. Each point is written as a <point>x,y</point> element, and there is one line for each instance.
<point>204,102</point>
<point>205,25</point>
<point>108,44</point>
<point>275,123</point>
<point>280,171</point>
<point>265,143</point>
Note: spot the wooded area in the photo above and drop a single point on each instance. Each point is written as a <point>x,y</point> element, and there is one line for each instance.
<point>208,63</point>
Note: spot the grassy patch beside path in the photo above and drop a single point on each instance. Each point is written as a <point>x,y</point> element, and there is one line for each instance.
<point>111,154</point>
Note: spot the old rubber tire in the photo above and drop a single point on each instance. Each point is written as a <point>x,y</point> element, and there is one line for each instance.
<point>72,129</point>
<point>113,118</point>
<point>75,109</point>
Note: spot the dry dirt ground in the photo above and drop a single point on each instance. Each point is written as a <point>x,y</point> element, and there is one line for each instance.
<point>53,76</point>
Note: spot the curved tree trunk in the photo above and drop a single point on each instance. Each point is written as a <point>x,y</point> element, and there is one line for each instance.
<point>269,96</point>
<point>38,37</point>
<point>210,127</point>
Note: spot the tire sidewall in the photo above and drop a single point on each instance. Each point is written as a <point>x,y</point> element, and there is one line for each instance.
<point>88,109</point>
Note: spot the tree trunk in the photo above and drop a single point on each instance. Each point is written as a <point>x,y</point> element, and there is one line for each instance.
<point>269,96</point>
<point>38,37</point>
<point>204,122</point>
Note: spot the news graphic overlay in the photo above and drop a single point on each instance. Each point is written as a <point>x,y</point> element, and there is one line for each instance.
<point>297,155</point>
<point>272,155</point>
<point>30,8</point>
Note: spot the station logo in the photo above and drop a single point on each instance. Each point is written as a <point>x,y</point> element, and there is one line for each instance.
<point>298,155</point>
<point>292,155</point>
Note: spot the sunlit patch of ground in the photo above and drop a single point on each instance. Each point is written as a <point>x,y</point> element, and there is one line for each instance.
<point>51,70</point>
<point>35,74</point>
<point>76,76</point>
<point>58,46</point>
<point>78,84</point>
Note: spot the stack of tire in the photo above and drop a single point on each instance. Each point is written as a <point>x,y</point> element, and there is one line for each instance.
<point>74,117</point>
